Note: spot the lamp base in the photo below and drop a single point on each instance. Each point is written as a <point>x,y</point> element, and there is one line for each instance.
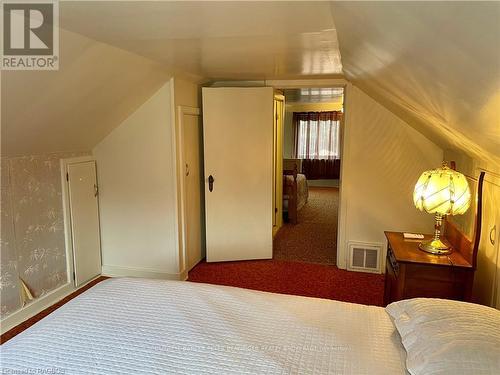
<point>435,246</point>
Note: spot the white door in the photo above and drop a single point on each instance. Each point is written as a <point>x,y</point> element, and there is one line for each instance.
<point>238,139</point>
<point>193,187</point>
<point>82,187</point>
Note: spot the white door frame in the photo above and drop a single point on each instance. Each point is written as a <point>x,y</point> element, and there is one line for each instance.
<point>278,178</point>
<point>68,238</point>
<point>182,110</point>
<point>342,250</point>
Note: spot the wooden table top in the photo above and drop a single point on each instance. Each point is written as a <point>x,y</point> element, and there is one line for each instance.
<point>407,251</point>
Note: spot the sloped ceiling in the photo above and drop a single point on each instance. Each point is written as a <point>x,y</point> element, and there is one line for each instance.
<point>115,54</point>
<point>435,64</point>
<point>72,109</point>
<point>216,39</point>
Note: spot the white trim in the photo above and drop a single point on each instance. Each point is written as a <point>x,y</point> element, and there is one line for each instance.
<point>38,305</point>
<point>183,276</point>
<point>148,273</point>
<point>282,83</point>
<point>35,307</point>
<point>299,83</point>
<point>176,199</point>
<point>235,83</point>
<point>181,217</point>
<point>342,248</point>
<point>185,110</point>
<point>68,238</point>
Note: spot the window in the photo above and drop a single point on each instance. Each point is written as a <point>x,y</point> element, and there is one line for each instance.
<point>317,135</point>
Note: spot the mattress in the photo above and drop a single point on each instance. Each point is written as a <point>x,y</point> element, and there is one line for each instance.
<point>140,326</point>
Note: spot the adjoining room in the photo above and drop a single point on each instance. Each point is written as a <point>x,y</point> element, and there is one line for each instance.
<point>311,175</point>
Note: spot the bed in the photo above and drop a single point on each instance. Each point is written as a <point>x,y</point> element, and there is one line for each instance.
<point>295,189</point>
<point>141,326</point>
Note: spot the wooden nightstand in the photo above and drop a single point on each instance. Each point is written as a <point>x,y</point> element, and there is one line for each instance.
<point>411,272</point>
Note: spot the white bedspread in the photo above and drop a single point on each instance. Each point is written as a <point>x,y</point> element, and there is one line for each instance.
<point>138,326</point>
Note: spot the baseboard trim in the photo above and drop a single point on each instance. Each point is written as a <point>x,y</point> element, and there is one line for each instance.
<point>40,304</point>
<point>35,307</point>
<point>183,276</point>
<point>119,271</point>
<point>65,290</point>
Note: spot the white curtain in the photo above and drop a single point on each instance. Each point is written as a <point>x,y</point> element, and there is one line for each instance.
<point>317,135</point>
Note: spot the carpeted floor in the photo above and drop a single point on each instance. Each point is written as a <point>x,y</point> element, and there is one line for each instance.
<point>304,261</point>
<point>314,238</point>
<point>298,278</point>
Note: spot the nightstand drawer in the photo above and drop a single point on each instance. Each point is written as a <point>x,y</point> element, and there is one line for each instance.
<point>411,273</point>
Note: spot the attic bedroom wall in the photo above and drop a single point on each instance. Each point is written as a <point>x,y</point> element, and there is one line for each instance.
<point>136,166</point>
<point>46,116</point>
<point>32,230</point>
<point>486,279</point>
<point>382,159</point>
<point>96,87</point>
<point>435,64</point>
<point>136,200</point>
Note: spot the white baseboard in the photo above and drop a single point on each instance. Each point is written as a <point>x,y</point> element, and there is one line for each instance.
<point>119,271</point>
<point>35,307</point>
<point>39,304</point>
<point>183,276</point>
<point>65,290</point>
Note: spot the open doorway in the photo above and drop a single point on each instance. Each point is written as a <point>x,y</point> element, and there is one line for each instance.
<point>311,147</point>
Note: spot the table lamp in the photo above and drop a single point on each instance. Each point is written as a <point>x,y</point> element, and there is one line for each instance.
<point>442,191</point>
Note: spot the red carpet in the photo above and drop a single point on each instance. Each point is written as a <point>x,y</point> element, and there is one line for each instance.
<point>302,279</point>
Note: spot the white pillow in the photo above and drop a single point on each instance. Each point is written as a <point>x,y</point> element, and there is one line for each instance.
<point>448,337</point>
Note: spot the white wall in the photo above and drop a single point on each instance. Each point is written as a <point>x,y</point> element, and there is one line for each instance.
<point>136,171</point>
<point>381,162</point>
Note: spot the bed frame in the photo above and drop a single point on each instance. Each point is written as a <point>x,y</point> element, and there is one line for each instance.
<point>468,247</point>
<point>291,192</point>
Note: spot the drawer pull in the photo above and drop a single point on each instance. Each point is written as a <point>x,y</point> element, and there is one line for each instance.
<point>392,260</point>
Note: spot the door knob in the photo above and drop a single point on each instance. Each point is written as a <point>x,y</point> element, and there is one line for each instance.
<point>210,183</point>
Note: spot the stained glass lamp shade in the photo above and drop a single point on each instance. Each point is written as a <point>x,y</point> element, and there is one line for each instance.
<point>442,191</point>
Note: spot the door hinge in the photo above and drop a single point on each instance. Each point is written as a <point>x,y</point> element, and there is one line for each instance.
<point>74,276</point>
<point>67,176</point>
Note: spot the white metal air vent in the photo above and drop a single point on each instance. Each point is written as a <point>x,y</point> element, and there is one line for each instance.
<point>364,256</point>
